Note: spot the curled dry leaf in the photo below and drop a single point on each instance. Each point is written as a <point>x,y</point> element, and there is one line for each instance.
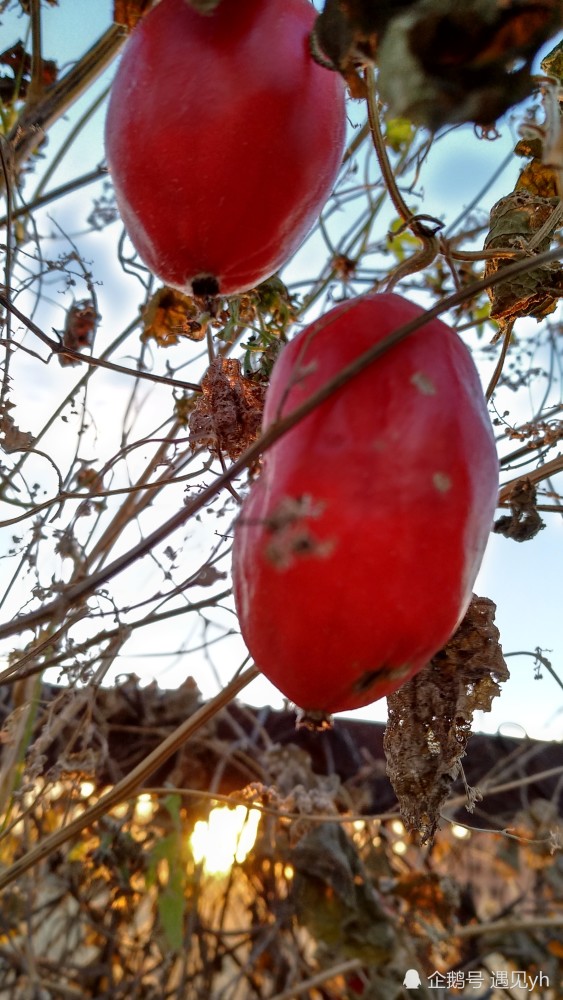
<point>79,330</point>
<point>228,414</point>
<point>523,522</point>
<point>345,36</point>
<point>430,716</point>
<point>537,177</point>
<point>128,12</point>
<point>170,315</point>
<point>457,59</point>
<point>336,899</point>
<point>15,85</point>
<point>88,478</point>
<point>515,222</point>
<point>11,438</point>
<point>463,61</point>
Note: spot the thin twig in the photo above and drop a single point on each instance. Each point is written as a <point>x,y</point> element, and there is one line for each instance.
<point>7,175</point>
<point>503,927</point>
<point>58,349</point>
<point>341,969</point>
<point>534,475</point>
<point>59,192</point>
<point>500,363</point>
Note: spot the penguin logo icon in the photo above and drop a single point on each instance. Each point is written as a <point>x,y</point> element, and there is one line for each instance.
<point>411,980</point>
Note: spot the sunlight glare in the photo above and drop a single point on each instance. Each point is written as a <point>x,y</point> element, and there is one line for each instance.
<point>227,836</point>
<point>460,831</point>
<point>144,808</point>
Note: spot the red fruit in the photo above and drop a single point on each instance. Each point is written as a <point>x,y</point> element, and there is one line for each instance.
<point>223,138</point>
<point>357,548</point>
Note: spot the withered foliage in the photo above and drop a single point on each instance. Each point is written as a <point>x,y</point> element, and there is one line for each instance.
<point>124,911</point>
<point>430,717</point>
<point>11,437</point>
<point>541,829</point>
<point>537,177</point>
<point>527,219</point>
<point>337,900</point>
<point>102,739</point>
<point>346,35</point>
<point>129,12</point>
<point>170,315</point>
<point>515,221</point>
<point>227,416</point>
<point>523,522</point>
<point>463,61</point>
<point>79,330</point>
<point>15,85</point>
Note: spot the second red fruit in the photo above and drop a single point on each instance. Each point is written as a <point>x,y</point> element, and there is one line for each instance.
<point>223,139</point>
<point>356,550</point>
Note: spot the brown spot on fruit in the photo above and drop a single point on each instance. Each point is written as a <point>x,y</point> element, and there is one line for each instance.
<point>294,543</point>
<point>366,680</point>
<point>385,673</point>
<point>291,536</point>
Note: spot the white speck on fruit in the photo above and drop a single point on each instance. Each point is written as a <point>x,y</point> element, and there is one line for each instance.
<point>423,383</point>
<point>442,482</point>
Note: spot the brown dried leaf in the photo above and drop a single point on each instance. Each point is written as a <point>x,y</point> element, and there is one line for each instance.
<point>170,315</point>
<point>335,898</point>
<point>228,414</point>
<point>15,86</point>
<point>11,438</point>
<point>552,63</point>
<point>88,478</point>
<point>524,522</point>
<point>430,716</point>
<point>538,179</point>
<point>345,36</point>
<point>515,220</point>
<point>128,12</point>
<point>80,329</point>
<point>457,60</point>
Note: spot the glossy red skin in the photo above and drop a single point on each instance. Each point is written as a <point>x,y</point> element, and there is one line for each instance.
<point>402,465</point>
<point>223,139</point>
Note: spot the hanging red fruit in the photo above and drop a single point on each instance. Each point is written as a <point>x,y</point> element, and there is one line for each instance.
<point>223,139</point>
<point>357,547</point>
